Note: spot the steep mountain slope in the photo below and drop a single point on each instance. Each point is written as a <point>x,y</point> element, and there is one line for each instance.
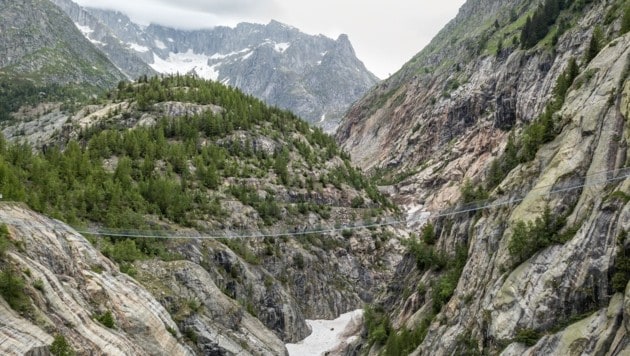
<point>532,130</point>
<point>60,285</point>
<point>105,40</point>
<point>314,76</point>
<point>268,197</point>
<point>39,42</point>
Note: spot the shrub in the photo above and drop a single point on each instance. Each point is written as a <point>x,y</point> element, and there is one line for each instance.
<point>527,336</point>
<point>298,260</point>
<point>428,234</point>
<point>107,319</point>
<point>530,237</point>
<point>61,347</point>
<point>4,239</point>
<point>621,267</point>
<point>38,284</point>
<point>12,290</point>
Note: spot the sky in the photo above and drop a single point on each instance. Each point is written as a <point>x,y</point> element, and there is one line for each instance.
<point>384,35</point>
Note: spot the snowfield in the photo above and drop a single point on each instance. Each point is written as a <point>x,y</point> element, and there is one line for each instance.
<point>328,335</point>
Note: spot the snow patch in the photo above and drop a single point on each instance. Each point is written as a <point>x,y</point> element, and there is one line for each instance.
<point>170,40</point>
<point>247,56</point>
<point>323,118</point>
<point>327,334</point>
<point>189,62</point>
<point>159,44</point>
<point>85,30</point>
<point>138,48</point>
<point>281,47</point>
<point>222,56</point>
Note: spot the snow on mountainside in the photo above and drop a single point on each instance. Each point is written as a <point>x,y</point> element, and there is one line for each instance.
<point>314,76</point>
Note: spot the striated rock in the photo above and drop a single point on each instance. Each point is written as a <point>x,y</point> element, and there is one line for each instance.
<point>218,321</point>
<point>561,299</point>
<point>77,283</point>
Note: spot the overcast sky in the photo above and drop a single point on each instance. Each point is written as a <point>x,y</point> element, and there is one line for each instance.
<point>385,35</point>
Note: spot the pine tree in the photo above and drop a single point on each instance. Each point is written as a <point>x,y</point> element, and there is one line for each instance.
<point>593,49</point>
<point>625,20</point>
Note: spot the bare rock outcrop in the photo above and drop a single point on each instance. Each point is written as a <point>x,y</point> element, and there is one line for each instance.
<point>75,283</point>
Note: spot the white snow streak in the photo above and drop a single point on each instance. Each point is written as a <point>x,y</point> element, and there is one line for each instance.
<point>184,63</point>
<point>138,48</point>
<point>85,30</point>
<point>326,335</point>
<point>281,47</point>
<point>222,56</point>
<point>159,44</point>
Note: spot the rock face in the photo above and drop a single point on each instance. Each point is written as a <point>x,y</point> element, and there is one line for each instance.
<point>444,118</point>
<point>74,282</point>
<point>314,76</point>
<point>233,295</point>
<point>105,40</point>
<point>38,41</point>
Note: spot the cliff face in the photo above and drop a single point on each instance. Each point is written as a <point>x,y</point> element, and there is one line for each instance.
<point>444,119</point>
<point>69,283</point>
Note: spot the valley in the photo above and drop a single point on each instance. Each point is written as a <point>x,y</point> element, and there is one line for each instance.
<point>476,202</point>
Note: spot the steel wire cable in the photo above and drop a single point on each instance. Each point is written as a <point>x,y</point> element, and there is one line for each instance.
<point>295,231</point>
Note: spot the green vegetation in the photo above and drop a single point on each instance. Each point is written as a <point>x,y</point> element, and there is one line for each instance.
<point>528,238</point>
<point>428,234</point>
<point>540,131</point>
<point>17,92</point>
<point>427,257</point>
<point>180,170</point>
<point>538,25</point>
<point>529,337</point>
<point>107,319</point>
<point>12,290</point>
<point>377,324</point>
<point>594,45</point>
<point>443,289</point>
<point>403,342</point>
<point>61,347</point>
<point>396,343</point>
<point>621,267</point>
<point>470,193</point>
<point>625,20</point>
<point>4,239</point>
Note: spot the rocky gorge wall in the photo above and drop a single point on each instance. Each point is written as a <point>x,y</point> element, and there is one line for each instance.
<point>569,295</point>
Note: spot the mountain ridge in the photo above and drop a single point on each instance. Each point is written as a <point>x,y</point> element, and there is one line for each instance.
<point>274,62</point>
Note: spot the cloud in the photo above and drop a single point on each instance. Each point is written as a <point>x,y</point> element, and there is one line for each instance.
<point>384,34</point>
<point>225,7</point>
